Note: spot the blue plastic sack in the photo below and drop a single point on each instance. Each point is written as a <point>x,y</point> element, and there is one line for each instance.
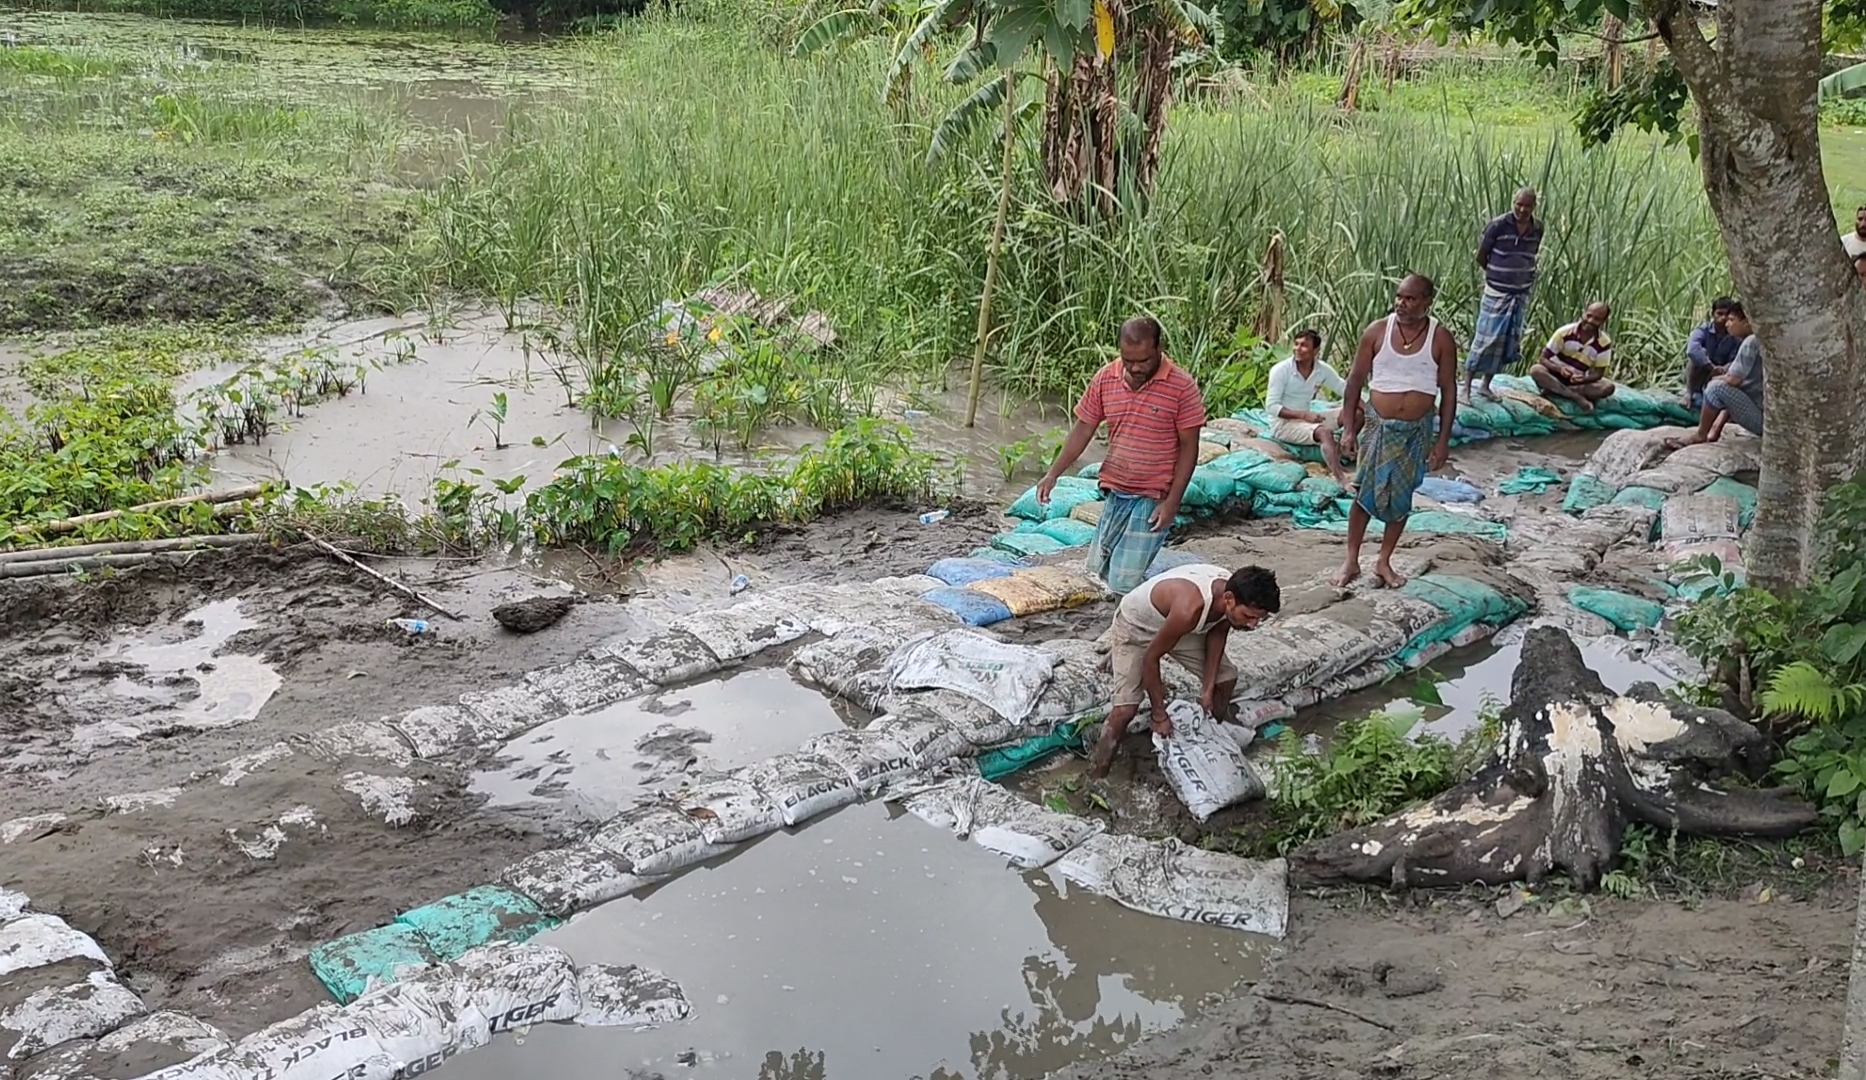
<point>1626,612</point>
<point>346,964</point>
<point>1585,493</point>
<point>966,571</point>
<point>1171,559</point>
<point>973,608</point>
<point>996,555</point>
<point>1449,491</point>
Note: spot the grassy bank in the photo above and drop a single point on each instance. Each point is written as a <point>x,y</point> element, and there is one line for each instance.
<point>385,14</point>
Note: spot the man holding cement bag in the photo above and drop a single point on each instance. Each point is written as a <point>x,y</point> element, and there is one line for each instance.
<point>1186,613</point>
<point>1154,411</point>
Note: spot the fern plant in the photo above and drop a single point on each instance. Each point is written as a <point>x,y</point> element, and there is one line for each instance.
<point>1808,695</point>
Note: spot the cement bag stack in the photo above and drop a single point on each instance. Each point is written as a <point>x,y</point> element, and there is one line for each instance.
<point>58,985</point>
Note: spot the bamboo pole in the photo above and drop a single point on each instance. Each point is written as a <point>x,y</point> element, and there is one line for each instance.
<point>344,558</point>
<point>997,245</point>
<point>59,567</point>
<point>73,524</point>
<point>127,547</point>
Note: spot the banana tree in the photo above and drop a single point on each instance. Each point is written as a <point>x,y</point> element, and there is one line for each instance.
<point>911,30</point>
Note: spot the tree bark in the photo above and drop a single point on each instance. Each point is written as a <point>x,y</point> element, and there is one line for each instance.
<point>1759,147</point>
<point>1574,765</point>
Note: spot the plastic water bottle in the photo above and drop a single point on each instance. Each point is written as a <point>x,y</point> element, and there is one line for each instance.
<point>740,584</point>
<point>934,517</point>
<point>915,414</point>
<point>413,626</point>
<point>1312,744</point>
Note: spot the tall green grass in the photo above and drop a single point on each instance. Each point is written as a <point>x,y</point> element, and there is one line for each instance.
<point>704,153</point>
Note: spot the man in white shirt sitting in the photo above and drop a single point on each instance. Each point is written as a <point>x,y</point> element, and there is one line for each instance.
<point>1291,398</point>
<point>1855,241</point>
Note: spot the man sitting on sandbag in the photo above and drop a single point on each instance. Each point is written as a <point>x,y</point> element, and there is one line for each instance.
<point>1709,351</point>
<point>1574,362</point>
<point>1186,613</point>
<point>1737,394</point>
<point>1291,399</point>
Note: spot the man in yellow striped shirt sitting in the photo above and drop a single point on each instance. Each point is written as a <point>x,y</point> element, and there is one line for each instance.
<point>1574,363</point>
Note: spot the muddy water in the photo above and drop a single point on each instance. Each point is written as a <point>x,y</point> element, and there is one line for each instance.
<point>595,765</point>
<point>144,687</point>
<point>870,945</point>
<point>428,403</point>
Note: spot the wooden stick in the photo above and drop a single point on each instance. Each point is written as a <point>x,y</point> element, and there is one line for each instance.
<point>390,582</point>
<point>1318,1003</point>
<point>73,524</point>
<point>60,567</point>
<point>126,547</point>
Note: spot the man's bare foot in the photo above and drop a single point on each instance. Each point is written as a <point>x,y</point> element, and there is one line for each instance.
<point>1103,758</point>
<point>1388,576</point>
<point>1346,577</point>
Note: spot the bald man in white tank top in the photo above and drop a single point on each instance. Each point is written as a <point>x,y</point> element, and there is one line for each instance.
<point>1407,361</point>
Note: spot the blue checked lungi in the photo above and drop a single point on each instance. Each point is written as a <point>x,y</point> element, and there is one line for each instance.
<point>1392,465</point>
<point>1498,340</point>
<point>1125,544</point>
<point>1744,410</point>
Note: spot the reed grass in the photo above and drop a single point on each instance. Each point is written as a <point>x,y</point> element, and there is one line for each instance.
<point>705,153</point>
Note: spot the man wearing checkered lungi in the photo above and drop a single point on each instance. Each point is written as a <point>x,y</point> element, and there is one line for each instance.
<point>1507,252</point>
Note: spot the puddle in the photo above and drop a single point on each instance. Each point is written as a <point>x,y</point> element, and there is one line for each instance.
<point>597,764</point>
<point>867,946</point>
<point>1468,679</point>
<point>175,686</point>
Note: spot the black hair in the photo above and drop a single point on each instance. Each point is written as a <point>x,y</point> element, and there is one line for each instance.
<point>1857,258</point>
<point>1311,337</point>
<point>1724,303</point>
<point>1736,308</point>
<point>1256,587</point>
<point>1143,328</point>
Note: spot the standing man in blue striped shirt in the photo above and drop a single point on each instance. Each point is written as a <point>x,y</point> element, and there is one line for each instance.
<point>1507,252</point>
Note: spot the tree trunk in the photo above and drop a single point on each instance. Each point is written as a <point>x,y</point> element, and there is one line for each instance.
<point>1574,764</point>
<point>1351,79</point>
<point>1153,95</point>
<point>1759,147</point>
<point>1613,30</point>
<point>994,250</point>
<point>1393,61</point>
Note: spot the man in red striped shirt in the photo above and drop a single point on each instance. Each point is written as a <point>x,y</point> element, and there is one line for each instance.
<point>1154,411</point>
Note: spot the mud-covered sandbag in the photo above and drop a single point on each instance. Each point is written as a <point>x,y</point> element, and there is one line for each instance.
<point>1584,493</point>
<point>36,940</point>
<point>41,1007</point>
<point>587,682</point>
<point>1006,677</point>
<point>347,966</point>
<point>572,878</point>
<point>666,658</point>
<point>1079,689</point>
<point>147,1043</point>
<point>1205,767</point>
<point>509,985</point>
<point>742,630</point>
<point>656,838</point>
<point>1255,714</point>
<point>626,995</point>
<point>907,584</point>
<point>1623,454</point>
<point>13,904</point>
<point>465,920</point>
<point>802,785</point>
<point>417,1026</point>
<point>959,572</point>
<point>1745,495</point>
<point>832,609</point>
<point>1029,835</point>
<point>1649,498</point>
<point>1625,611</point>
<point>992,554</point>
<point>1028,545</point>
<point>1696,519</point>
<point>928,740</point>
<point>1171,879</point>
<point>971,607</point>
<point>849,665</point>
<point>730,809</point>
<point>1407,615</point>
<point>1304,650</point>
<point>977,723</point>
<point>320,1043</point>
<point>869,757</point>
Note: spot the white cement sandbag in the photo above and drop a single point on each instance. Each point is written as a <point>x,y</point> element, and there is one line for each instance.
<point>1679,473</point>
<point>910,584</point>
<point>848,665</point>
<point>587,682</point>
<point>1255,714</point>
<point>1695,519</point>
<point>625,995</point>
<point>1302,650</point>
<point>567,879</point>
<point>36,940</point>
<point>1006,677</point>
<point>870,758</point>
<point>656,838</point>
<point>730,810</point>
<point>1553,608</point>
<point>509,985</point>
<point>664,659</point>
<point>928,740</point>
<point>1079,688</point>
<point>155,1041</point>
<point>1407,615</point>
<point>802,785</point>
<point>835,609</point>
<point>1205,767</point>
<point>742,630</point>
<point>60,1004</point>
<point>1623,454</point>
<point>1171,879</point>
<point>506,711</point>
<point>1029,835</point>
<point>417,1025</point>
<point>977,723</point>
<point>372,739</point>
<point>320,1043</point>
<point>12,904</point>
<point>1472,634</point>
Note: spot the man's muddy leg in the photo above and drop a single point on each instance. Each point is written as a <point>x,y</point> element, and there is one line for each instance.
<point>1357,532</point>
<point>1112,731</point>
<point>1222,704</point>
<point>1331,453</point>
<point>1383,566</point>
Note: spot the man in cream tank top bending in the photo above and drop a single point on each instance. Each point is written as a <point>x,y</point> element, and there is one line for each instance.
<point>1187,613</point>
<point>1407,361</point>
